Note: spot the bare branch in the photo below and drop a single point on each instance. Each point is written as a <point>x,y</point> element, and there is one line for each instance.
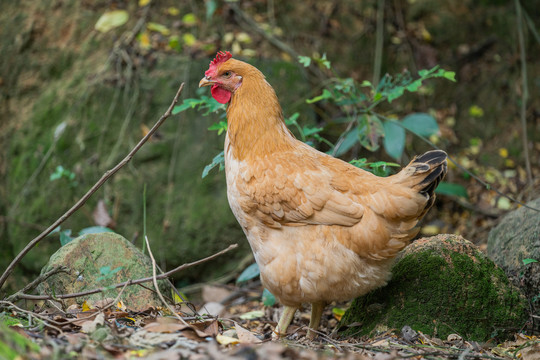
<point>131,282</point>
<point>92,190</point>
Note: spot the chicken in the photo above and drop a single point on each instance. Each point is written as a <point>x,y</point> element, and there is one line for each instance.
<point>321,230</point>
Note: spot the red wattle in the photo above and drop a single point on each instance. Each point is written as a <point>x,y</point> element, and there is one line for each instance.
<point>221,95</point>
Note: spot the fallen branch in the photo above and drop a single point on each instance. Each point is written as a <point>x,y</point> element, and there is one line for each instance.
<point>154,280</point>
<point>55,270</point>
<point>90,192</point>
<point>130,282</point>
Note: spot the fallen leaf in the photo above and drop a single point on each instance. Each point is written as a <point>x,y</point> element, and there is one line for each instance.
<point>101,216</point>
<point>252,315</point>
<point>226,340</point>
<point>90,326</point>
<point>245,336</point>
<point>111,19</point>
<point>214,293</point>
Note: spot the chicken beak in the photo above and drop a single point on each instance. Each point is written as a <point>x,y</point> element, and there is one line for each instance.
<point>205,82</point>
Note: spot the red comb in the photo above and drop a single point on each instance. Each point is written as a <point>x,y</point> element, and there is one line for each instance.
<point>221,57</point>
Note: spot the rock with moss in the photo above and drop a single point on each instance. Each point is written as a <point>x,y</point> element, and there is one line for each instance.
<point>441,285</point>
<point>100,260</point>
<point>518,252</point>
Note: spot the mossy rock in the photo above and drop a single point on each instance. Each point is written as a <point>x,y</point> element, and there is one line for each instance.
<point>508,248</point>
<point>100,260</point>
<point>441,285</point>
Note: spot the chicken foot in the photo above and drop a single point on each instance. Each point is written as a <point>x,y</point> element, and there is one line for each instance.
<point>284,322</point>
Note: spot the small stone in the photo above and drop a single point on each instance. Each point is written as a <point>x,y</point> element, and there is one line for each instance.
<point>409,334</point>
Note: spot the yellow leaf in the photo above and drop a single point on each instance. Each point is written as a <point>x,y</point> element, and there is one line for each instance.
<point>243,38</point>
<point>144,40</point>
<point>144,2</point>
<point>504,203</point>
<point>189,39</point>
<point>111,20</point>
<point>121,306</point>
<point>173,11</point>
<point>189,19</point>
<point>226,340</point>
<point>430,230</point>
<point>476,111</point>
<point>162,29</point>
<point>177,299</point>
<point>503,152</point>
<point>86,306</point>
<point>338,313</point>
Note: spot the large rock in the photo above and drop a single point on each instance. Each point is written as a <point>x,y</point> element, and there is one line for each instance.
<point>517,237</point>
<point>100,260</point>
<point>441,285</point>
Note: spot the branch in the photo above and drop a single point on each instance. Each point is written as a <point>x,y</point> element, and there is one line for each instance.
<point>131,282</point>
<point>90,192</point>
<point>525,92</point>
<point>154,281</point>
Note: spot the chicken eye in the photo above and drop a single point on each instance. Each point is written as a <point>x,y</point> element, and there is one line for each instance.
<point>227,74</point>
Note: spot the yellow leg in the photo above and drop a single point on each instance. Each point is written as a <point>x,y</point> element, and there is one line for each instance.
<point>316,313</point>
<point>284,321</point>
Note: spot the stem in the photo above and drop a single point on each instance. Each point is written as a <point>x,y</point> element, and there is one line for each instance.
<point>379,42</point>
<point>525,91</point>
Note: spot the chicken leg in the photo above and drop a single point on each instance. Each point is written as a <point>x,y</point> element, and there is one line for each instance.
<point>284,322</point>
<point>316,313</point>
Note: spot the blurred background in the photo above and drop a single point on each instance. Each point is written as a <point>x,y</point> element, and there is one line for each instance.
<point>82,81</point>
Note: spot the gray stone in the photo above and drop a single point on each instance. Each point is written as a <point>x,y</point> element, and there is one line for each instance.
<point>517,237</point>
<point>101,260</point>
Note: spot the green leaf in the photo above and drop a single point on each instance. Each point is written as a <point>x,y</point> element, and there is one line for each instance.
<point>211,7</point>
<point>452,189</point>
<point>220,127</point>
<point>394,139</point>
<point>304,60</point>
<point>65,237</point>
<point>251,272</point>
<point>111,20</point>
<point>94,230</point>
<point>292,119</point>
<point>348,142</point>
<point>450,75</point>
<point>162,29</point>
<point>370,131</point>
<point>325,95</point>
<point>219,160</point>
<point>421,123</point>
<point>268,298</point>
<point>308,131</point>
<point>366,83</point>
<point>529,261</point>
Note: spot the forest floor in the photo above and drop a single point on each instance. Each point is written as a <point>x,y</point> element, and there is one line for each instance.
<point>243,331</point>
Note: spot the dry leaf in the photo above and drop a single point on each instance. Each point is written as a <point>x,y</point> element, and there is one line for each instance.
<point>226,340</point>
<point>90,326</point>
<point>214,293</point>
<point>245,336</point>
<point>101,216</point>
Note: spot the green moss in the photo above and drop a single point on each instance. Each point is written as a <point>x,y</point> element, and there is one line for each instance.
<point>439,290</point>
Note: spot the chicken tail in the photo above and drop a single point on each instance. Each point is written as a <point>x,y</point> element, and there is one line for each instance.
<point>424,173</point>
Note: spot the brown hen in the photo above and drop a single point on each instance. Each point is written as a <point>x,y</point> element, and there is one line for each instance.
<point>321,229</point>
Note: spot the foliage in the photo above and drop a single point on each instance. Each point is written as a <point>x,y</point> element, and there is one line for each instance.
<point>365,127</point>
<point>65,235</point>
<point>61,173</point>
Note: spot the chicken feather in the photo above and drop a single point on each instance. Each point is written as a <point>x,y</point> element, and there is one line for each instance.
<point>320,229</point>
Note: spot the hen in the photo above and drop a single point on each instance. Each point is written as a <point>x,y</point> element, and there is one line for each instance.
<point>321,229</point>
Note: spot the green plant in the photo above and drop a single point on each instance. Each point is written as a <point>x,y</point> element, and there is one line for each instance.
<point>65,235</point>
<point>60,172</point>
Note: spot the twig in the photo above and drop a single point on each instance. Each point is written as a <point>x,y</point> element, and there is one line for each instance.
<point>90,192</point>
<point>130,282</point>
<point>377,62</point>
<point>57,269</point>
<point>154,280</point>
<point>525,92</point>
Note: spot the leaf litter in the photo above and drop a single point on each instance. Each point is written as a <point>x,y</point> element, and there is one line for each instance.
<point>97,330</point>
